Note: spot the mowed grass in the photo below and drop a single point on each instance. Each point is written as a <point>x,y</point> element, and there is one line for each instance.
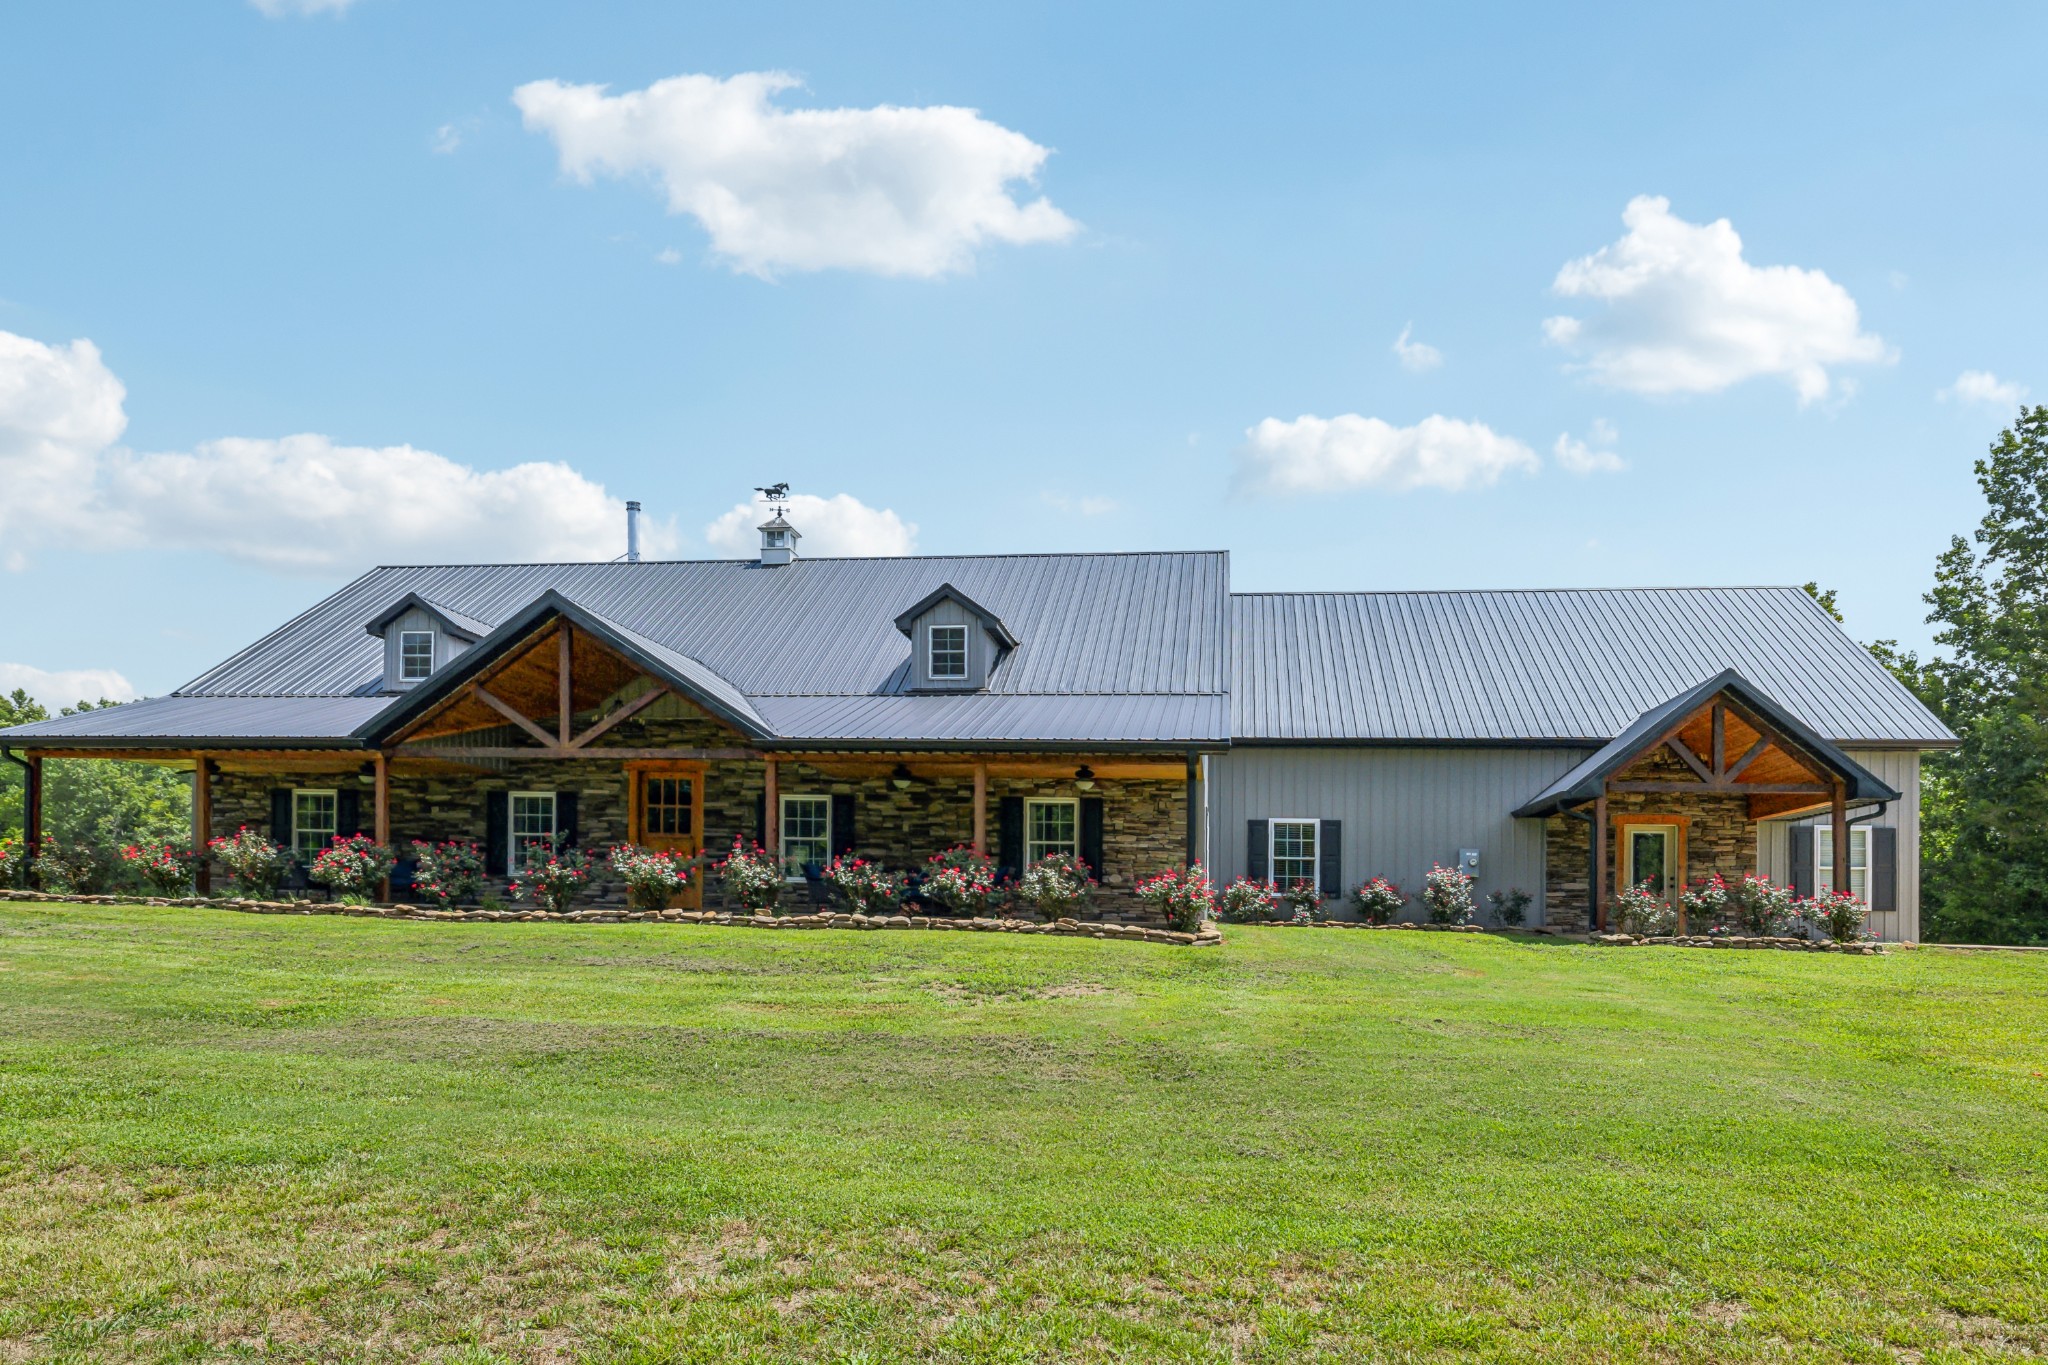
<point>228,1136</point>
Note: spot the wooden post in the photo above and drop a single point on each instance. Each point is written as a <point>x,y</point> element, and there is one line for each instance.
<point>1194,778</point>
<point>981,808</point>
<point>202,823</point>
<point>565,690</point>
<point>382,763</point>
<point>1720,740</point>
<point>32,819</point>
<point>1841,824</point>
<point>771,816</point>
<point>1600,859</point>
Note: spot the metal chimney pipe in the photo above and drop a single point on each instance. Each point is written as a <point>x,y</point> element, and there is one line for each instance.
<point>632,533</point>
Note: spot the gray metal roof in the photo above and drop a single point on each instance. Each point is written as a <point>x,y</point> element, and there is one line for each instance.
<point>162,721</point>
<point>1139,718</point>
<point>1555,665</point>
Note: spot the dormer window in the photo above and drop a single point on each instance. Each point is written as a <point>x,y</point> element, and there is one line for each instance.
<point>415,655</point>
<point>948,652</point>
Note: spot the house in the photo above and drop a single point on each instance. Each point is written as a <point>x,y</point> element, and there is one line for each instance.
<point>1126,708</point>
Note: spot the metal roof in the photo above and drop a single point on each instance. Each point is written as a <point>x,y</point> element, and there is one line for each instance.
<point>1566,665</point>
<point>163,721</point>
<point>1139,718</point>
<point>1584,781</point>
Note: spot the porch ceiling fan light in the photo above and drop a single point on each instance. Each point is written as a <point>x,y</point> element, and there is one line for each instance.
<point>900,778</point>
<point>1084,778</point>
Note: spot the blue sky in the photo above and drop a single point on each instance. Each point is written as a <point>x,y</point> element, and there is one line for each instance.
<point>342,300</point>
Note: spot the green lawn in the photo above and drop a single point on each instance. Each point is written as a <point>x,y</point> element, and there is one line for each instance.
<point>229,1136</point>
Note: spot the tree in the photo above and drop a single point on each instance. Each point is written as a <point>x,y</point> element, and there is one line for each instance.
<point>95,803</point>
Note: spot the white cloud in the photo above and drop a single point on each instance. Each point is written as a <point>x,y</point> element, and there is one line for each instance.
<point>297,504</point>
<point>1982,386</point>
<point>279,9</point>
<point>841,525</point>
<point>891,190</point>
<point>1416,356</point>
<point>1685,313</point>
<point>668,255</point>
<point>1590,456</point>
<point>447,139</point>
<point>1314,454</point>
<point>65,687</point>
<point>1082,506</point>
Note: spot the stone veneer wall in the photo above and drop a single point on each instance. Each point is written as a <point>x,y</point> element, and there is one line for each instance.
<point>1719,837</point>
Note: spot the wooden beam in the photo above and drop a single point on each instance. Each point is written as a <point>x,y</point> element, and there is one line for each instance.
<point>381,763</point>
<point>981,808</point>
<point>202,823</point>
<point>771,815</point>
<point>626,712</point>
<point>1749,756</point>
<point>1194,776</point>
<point>1678,746</point>
<point>513,714</point>
<point>1840,812</point>
<point>458,753</point>
<point>1720,754</point>
<point>565,686</point>
<point>1720,788</point>
<point>1600,860</point>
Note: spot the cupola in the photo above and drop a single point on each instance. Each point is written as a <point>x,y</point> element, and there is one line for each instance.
<point>778,540</point>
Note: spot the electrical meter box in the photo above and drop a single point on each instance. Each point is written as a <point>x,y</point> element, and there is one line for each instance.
<point>1468,861</point>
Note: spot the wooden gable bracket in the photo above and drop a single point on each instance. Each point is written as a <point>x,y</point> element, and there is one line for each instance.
<point>1722,776</point>
<point>511,713</point>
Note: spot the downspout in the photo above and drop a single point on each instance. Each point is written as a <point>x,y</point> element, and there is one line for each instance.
<point>28,781</point>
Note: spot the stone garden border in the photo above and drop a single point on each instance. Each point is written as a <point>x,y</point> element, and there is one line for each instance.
<point>1065,928</point>
<point>1783,944</point>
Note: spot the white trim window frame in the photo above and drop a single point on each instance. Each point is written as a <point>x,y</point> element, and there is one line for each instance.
<point>529,822</point>
<point>946,653</point>
<point>804,833</point>
<point>1286,838</point>
<point>1859,861</point>
<point>414,666</point>
<point>1052,825</point>
<point>316,819</point>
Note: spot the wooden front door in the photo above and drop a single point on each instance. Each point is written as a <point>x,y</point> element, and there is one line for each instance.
<point>668,815</point>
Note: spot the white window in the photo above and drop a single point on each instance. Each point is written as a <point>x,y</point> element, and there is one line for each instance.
<point>777,539</point>
<point>1293,850</point>
<point>532,816</point>
<point>1051,828</point>
<point>949,651</point>
<point>415,654</point>
<point>806,831</point>
<point>1859,861</point>
<point>313,824</point>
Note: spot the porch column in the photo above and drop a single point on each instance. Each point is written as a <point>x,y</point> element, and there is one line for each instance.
<point>202,823</point>
<point>1194,779</point>
<point>1600,859</point>
<point>1841,824</point>
<point>981,808</point>
<point>771,815</point>
<point>382,764</point>
<point>32,817</point>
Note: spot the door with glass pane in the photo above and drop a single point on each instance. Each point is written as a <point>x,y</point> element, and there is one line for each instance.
<point>1649,853</point>
<point>668,816</point>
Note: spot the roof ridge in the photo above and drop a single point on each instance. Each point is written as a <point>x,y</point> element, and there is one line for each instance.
<point>802,559</point>
<point>1495,592</point>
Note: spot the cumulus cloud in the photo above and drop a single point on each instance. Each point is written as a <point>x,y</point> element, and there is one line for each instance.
<point>1593,455</point>
<point>1416,356</point>
<point>1685,313</point>
<point>1089,506</point>
<point>1982,386</point>
<point>296,504</point>
<point>280,9</point>
<point>65,687</point>
<point>1319,454</point>
<point>841,525</point>
<point>890,190</point>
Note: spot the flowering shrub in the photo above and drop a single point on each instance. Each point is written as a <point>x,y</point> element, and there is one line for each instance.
<point>652,877</point>
<point>750,877</point>
<point>447,874</point>
<point>1705,901</point>
<point>1378,901</point>
<point>963,881</point>
<point>1761,907</point>
<point>1056,886</point>
<point>868,888</point>
<point>71,869</point>
<point>551,880</point>
<point>1304,902</point>
<point>1510,907</point>
<point>1639,910</point>
<point>1838,914</point>
<point>1447,895</point>
<point>1185,897</point>
<point>253,863</point>
<point>1245,901</point>
<point>166,866</point>
<point>351,865</point>
<point>13,857</point>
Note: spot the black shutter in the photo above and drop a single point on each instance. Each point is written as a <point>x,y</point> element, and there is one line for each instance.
<point>348,813</point>
<point>1884,868</point>
<point>1091,834</point>
<point>843,837</point>
<point>1802,860</point>
<point>761,819</point>
<point>1010,837</point>
<point>281,816</point>
<point>1256,840</point>
<point>1330,852</point>
<point>497,832</point>
<point>566,833</point>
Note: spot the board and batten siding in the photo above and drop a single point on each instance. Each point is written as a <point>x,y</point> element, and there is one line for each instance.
<point>1899,769</point>
<point>1402,809</point>
<point>980,648</point>
<point>446,646</point>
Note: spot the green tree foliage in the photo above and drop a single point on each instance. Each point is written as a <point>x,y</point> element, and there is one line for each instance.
<point>100,805</point>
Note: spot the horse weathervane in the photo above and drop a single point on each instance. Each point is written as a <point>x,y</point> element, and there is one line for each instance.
<point>777,496</point>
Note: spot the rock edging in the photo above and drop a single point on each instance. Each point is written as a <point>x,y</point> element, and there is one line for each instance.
<point>1777,943</point>
<point>1361,924</point>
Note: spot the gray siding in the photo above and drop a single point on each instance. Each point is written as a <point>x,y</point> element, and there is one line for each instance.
<point>446,646</point>
<point>1900,769</point>
<point>1402,808</point>
<point>980,648</point>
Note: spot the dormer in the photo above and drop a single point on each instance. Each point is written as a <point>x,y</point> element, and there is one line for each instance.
<point>955,642</point>
<point>419,638</point>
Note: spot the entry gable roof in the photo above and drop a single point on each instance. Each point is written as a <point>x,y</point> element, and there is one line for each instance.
<point>1587,780</point>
